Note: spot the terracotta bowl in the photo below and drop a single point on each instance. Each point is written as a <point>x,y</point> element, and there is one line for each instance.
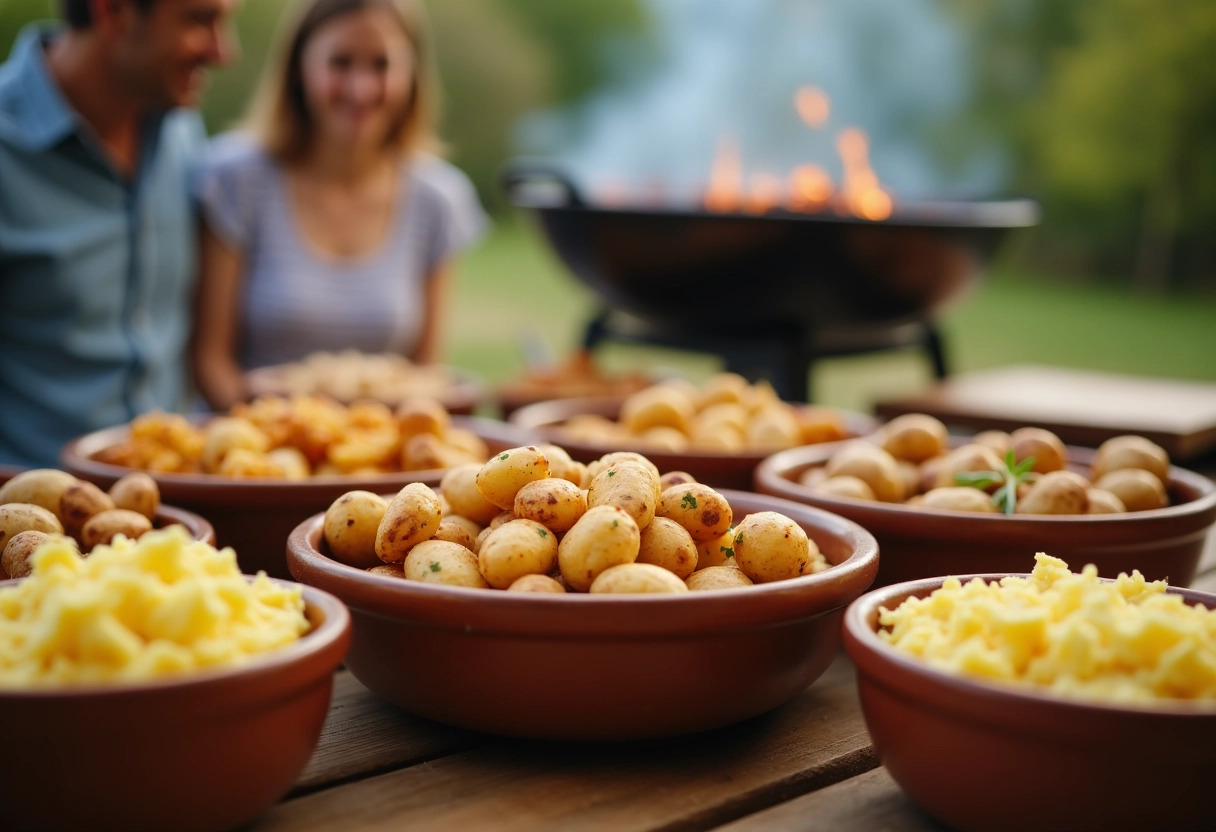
<point>591,667</point>
<point>461,397</point>
<point>255,516</point>
<point>982,757</point>
<point>720,470</point>
<point>208,751</point>
<point>1164,544</point>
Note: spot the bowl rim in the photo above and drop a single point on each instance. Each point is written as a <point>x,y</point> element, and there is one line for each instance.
<point>869,652</point>
<point>332,633</point>
<point>605,617</point>
<point>76,457</point>
<point>525,418</point>
<point>775,473</point>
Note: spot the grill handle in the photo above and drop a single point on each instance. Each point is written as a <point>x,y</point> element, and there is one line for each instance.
<point>534,183</point>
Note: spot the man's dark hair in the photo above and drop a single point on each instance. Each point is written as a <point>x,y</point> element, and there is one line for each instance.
<point>77,15</point>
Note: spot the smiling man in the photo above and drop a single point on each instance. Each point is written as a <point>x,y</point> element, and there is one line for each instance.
<point>97,232</point>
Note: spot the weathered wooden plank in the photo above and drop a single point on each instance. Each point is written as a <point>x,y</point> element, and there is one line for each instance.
<point>871,802</point>
<point>364,735</point>
<point>686,783</point>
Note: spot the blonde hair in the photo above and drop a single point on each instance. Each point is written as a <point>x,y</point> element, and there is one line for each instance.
<point>278,114</point>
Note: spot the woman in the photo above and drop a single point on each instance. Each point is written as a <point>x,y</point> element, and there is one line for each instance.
<point>326,223</point>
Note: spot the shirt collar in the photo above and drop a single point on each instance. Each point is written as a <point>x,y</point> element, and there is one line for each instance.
<point>37,109</point>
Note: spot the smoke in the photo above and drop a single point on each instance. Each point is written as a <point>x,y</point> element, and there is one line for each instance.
<point>897,69</point>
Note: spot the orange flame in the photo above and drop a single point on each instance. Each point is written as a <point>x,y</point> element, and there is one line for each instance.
<point>810,188</point>
<point>862,193</point>
<point>764,193</point>
<point>725,178</point>
<point>813,106</point>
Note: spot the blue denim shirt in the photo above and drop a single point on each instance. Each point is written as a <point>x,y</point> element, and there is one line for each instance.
<point>96,270</point>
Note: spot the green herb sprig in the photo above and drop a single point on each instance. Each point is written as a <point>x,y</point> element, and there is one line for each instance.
<point>1010,476</point>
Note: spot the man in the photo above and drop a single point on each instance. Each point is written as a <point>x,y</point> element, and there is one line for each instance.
<point>97,233</point>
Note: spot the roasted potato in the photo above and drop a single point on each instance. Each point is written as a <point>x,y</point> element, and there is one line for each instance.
<point>604,536</point>
<point>771,547</point>
<point>515,549</point>
<point>412,516</point>
<point>636,578</point>
<point>666,543</point>
<point>350,527</point>
<point>500,479</point>
<point>443,562</point>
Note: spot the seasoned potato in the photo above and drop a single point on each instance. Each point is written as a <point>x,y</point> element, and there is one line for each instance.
<point>425,452</point>
<point>722,438</point>
<point>820,424</point>
<point>1048,451</point>
<point>845,485</point>
<point>229,433</point>
<point>717,551</point>
<point>465,440</point>
<point>412,516</point>
<point>1102,501</point>
<point>608,460</point>
<point>536,583</point>
<point>1120,452</point>
<point>959,498</point>
<point>500,479</point>
<point>717,577</point>
<point>1056,492</point>
<point>555,503</point>
<point>15,561</point>
<point>137,491</point>
<point>723,387</point>
<point>667,544</point>
<point>456,529</point>
<point>422,415</point>
<point>998,440</point>
<point>102,527</point>
<point>915,437</point>
<point>560,463</point>
<point>40,487</point>
<point>664,438</point>
<point>772,547</point>
<point>773,428</point>
<point>1138,489</point>
<point>732,414</point>
<point>391,570</point>
<point>697,507</point>
<point>657,406</point>
<point>604,536</point>
<point>514,549</point>
<point>674,478</point>
<point>80,501</point>
<point>442,562</point>
<point>871,464</point>
<point>814,476</point>
<point>19,517</point>
<point>459,487</point>
<point>350,527</point>
<point>635,579</point>
<point>629,486</point>
<point>970,457</point>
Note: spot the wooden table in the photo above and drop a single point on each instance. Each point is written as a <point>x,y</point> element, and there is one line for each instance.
<point>806,765</point>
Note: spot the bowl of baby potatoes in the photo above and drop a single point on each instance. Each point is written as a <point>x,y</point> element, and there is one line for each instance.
<point>536,596</point>
<point>258,470</point>
<point>718,430</point>
<point>943,505</point>
<point>148,685</point>
<point>1050,700</point>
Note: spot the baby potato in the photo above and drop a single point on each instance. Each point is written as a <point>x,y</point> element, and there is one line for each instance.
<point>459,487</point>
<point>845,485</point>
<point>959,498</point>
<point>229,433</point>
<point>910,472</point>
<point>293,462</point>
<point>717,577</point>
<point>773,427</point>
<point>560,463</point>
<point>604,536</point>
<point>915,437</point>
<point>627,485</point>
<point>592,427</point>
<point>412,516</point>
<point>137,491</point>
<point>820,424</point>
<point>1138,489</point>
<point>871,464</point>
<point>514,549</point>
<point>722,413</point>
<point>636,579</point>
<point>1048,451</point>
<point>771,547</point>
<point>40,487</point>
<point>465,440</point>
<point>674,478</point>
<point>723,387</point>
<point>698,508</point>
<point>350,527</point>
<point>965,458</point>
<point>536,583</point>
<point>555,503</point>
<point>657,406</point>
<point>500,479</point>
<point>15,561</point>
<point>667,544</point>
<point>1120,452</point>
<point>456,529</point>
<point>443,562</point>
<point>80,501</point>
<point>1056,492</point>
<point>718,551</point>
<point>1102,501</point>
<point>664,438</point>
<point>102,527</point>
<point>422,415</point>
<point>425,452</point>
<point>723,438</point>
<point>390,570</point>
<point>814,476</point>
<point>608,460</point>
<point>998,440</point>
<point>19,517</point>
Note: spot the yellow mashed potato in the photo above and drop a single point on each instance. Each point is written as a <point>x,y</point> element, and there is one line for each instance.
<point>1121,642</point>
<point>138,610</point>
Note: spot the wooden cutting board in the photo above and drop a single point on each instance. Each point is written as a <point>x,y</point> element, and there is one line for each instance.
<point>1080,406</point>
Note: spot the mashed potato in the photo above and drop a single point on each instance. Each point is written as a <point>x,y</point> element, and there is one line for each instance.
<point>1121,642</point>
<point>138,610</point>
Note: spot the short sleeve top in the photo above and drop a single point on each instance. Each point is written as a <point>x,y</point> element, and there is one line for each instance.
<point>297,301</point>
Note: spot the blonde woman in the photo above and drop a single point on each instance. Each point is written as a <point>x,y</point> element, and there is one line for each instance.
<point>328,222</point>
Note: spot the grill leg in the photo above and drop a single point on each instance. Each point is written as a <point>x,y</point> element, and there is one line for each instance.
<point>936,349</point>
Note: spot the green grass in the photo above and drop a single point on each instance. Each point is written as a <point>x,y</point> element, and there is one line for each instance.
<point>512,290</point>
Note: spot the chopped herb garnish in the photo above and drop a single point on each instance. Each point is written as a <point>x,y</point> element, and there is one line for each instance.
<point>435,567</point>
<point>739,539</point>
<point>503,456</point>
<point>1011,475</point>
<point>542,532</point>
<point>730,553</point>
<point>689,501</point>
<point>614,524</point>
<point>612,473</point>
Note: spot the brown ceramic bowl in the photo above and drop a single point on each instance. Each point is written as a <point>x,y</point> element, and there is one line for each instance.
<point>596,667</point>
<point>982,757</point>
<point>720,470</point>
<point>916,542</point>
<point>255,516</point>
<point>208,751</point>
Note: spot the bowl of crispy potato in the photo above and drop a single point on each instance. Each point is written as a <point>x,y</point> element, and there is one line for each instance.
<point>1054,700</point>
<point>635,608</point>
<point>718,431</point>
<point>257,472</point>
<point>942,505</point>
